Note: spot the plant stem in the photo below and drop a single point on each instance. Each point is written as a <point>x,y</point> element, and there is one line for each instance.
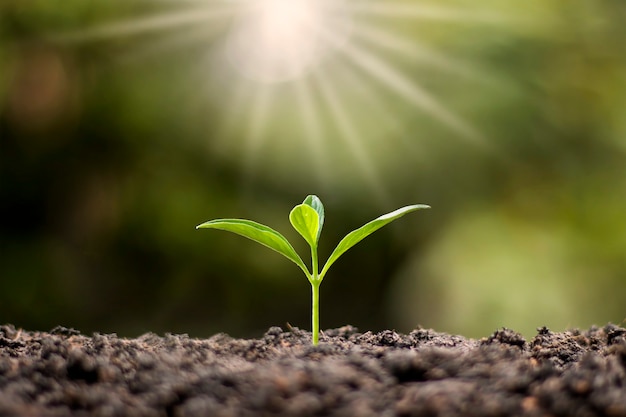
<point>315,311</point>
<point>315,304</point>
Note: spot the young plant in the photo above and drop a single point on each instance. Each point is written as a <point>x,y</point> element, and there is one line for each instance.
<point>307,218</point>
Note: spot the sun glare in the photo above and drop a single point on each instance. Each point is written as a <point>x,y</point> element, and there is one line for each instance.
<point>279,40</point>
<point>306,82</point>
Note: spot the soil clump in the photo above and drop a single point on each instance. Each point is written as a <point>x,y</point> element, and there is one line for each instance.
<point>351,374</point>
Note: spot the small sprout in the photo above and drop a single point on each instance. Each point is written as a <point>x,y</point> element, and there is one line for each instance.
<point>307,218</point>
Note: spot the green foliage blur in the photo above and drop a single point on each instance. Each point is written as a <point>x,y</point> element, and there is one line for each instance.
<point>122,128</point>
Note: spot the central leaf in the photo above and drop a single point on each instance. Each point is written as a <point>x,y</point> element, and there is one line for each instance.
<point>306,221</point>
<point>316,204</point>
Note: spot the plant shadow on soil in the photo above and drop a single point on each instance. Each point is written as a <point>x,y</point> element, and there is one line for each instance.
<point>424,373</point>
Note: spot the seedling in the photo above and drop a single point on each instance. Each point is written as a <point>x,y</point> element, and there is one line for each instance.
<point>307,218</point>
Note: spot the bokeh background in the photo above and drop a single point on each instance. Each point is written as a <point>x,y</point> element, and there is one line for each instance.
<point>123,124</point>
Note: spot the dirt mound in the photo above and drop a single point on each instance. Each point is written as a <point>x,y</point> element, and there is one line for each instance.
<point>352,374</point>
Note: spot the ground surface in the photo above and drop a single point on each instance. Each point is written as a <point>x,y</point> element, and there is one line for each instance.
<point>352,374</point>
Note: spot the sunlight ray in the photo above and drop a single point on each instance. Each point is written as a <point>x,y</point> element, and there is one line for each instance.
<point>357,83</point>
<point>161,22</point>
<point>351,137</point>
<point>312,131</point>
<point>255,134</point>
<point>413,50</point>
<point>385,119</point>
<point>412,92</point>
<point>160,44</point>
<point>410,10</point>
<point>234,110</point>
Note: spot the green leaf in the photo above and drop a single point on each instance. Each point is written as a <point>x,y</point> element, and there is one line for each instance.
<point>316,203</point>
<point>262,234</point>
<point>361,233</point>
<point>305,220</point>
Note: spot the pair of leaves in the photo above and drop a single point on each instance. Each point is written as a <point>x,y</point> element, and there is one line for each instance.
<point>308,219</point>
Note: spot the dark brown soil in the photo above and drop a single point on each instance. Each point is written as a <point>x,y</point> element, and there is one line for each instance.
<point>352,374</point>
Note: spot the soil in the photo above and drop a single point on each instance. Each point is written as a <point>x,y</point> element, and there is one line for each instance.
<point>352,374</point>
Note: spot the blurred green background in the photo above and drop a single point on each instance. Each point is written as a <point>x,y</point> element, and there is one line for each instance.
<point>123,124</point>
